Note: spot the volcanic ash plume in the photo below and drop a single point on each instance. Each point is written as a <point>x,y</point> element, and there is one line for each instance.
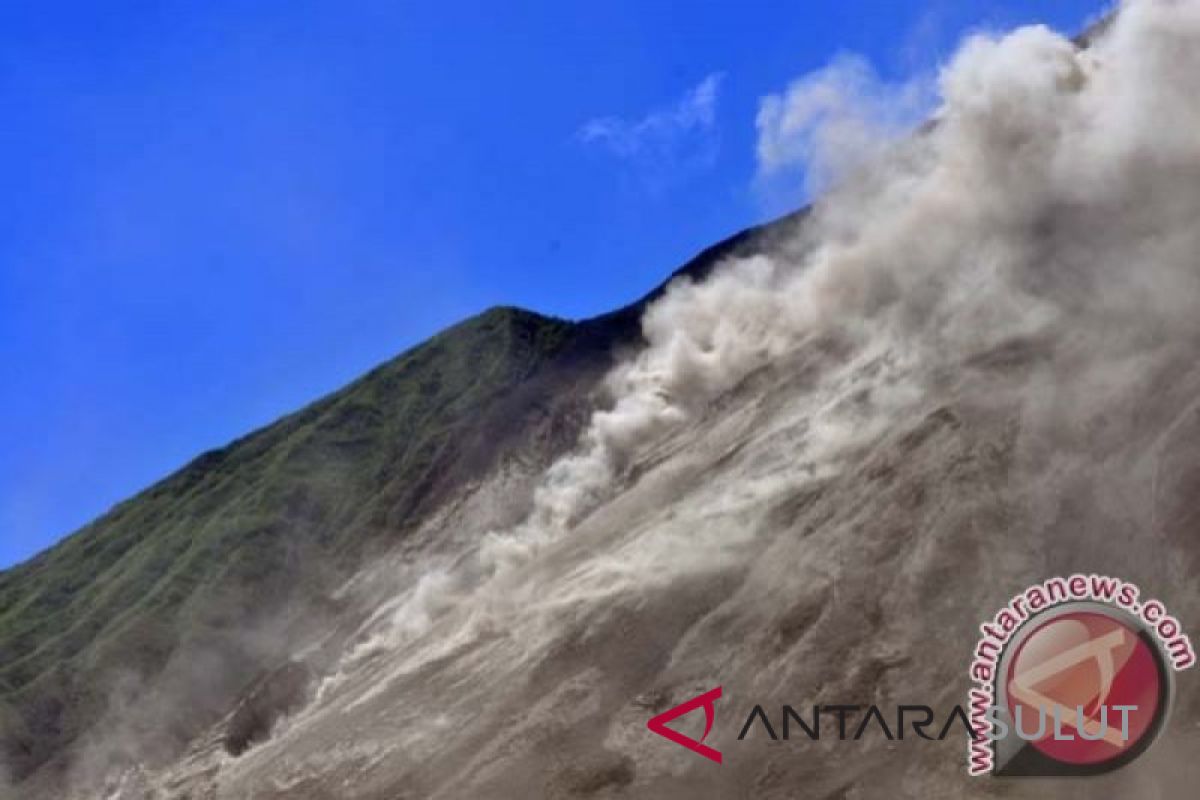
<point>969,370</point>
<point>1051,202</point>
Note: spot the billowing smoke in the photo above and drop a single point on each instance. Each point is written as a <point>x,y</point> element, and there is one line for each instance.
<point>1048,207</point>
<point>1049,204</point>
<point>828,124</point>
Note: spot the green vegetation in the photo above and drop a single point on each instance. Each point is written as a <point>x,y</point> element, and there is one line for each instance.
<point>283,514</point>
<point>238,530</point>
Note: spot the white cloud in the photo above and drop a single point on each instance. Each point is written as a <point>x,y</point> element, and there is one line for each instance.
<point>666,141</point>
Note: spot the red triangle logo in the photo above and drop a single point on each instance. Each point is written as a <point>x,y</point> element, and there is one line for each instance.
<point>706,701</point>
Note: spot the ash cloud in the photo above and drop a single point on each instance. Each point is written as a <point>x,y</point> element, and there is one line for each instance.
<point>1048,213</point>
<point>830,123</point>
<point>1051,201</point>
<point>1045,219</point>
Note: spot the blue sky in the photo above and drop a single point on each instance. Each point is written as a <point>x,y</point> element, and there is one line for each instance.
<point>212,213</point>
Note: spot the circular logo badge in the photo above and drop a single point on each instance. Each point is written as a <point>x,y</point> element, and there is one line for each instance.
<point>1087,688</point>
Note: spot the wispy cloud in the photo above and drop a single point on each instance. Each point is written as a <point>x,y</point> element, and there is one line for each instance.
<point>666,141</point>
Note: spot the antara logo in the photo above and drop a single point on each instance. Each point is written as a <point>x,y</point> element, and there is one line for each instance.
<point>707,702</point>
<point>924,718</point>
<point>1093,678</point>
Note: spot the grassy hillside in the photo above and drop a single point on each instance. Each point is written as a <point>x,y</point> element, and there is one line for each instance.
<point>179,572</point>
<point>240,529</point>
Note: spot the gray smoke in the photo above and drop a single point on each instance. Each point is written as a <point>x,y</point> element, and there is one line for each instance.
<point>1052,202</point>
<point>831,123</point>
<point>1031,256</point>
<point>1049,207</point>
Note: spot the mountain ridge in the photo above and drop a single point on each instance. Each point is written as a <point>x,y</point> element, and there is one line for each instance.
<point>332,483</point>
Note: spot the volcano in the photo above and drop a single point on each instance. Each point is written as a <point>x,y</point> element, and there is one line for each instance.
<point>803,470</point>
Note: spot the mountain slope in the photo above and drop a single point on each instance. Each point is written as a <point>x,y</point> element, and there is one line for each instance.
<point>245,530</point>
<point>267,527</point>
<point>974,367</point>
<point>850,439</point>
